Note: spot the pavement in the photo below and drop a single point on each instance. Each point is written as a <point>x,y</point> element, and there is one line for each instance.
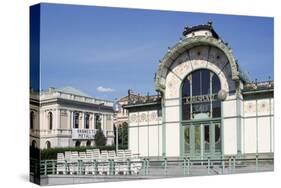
<point>157,172</point>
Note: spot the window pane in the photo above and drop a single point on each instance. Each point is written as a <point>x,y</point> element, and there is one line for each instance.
<point>50,120</point>
<point>187,139</point>
<point>200,86</point>
<point>217,137</point>
<point>216,84</point>
<point>216,109</point>
<point>196,83</point>
<point>186,111</point>
<point>76,120</point>
<point>186,88</point>
<point>205,82</point>
<point>87,121</point>
<point>31,120</point>
<point>207,138</point>
<point>197,139</point>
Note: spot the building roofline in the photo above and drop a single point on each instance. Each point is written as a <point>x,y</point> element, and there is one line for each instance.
<point>208,27</point>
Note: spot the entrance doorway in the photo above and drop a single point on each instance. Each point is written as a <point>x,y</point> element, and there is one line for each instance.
<point>201,115</point>
<point>202,140</point>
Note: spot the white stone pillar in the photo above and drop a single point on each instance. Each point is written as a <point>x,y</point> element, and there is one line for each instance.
<point>93,121</point>
<point>101,121</point>
<point>111,121</point>
<point>58,119</point>
<point>82,126</point>
<point>70,119</point>
<point>104,122</point>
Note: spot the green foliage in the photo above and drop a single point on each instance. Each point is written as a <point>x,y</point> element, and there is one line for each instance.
<point>100,139</point>
<point>123,135</point>
<point>52,152</point>
<point>98,125</point>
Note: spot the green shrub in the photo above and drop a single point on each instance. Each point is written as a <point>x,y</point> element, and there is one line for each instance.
<point>52,152</point>
<point>100,139</point>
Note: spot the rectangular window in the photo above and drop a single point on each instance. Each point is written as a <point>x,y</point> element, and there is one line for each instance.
<point>87,117</point>
<point>76,120</point>
<point>97,122</point>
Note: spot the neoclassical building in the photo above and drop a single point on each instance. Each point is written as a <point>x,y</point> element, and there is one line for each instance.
<point>67,117</point>
<point>121,113</point>
<point>206,105</point>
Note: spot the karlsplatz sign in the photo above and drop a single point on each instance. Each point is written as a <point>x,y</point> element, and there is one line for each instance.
<point>199,99</point>
<point>83,134</point>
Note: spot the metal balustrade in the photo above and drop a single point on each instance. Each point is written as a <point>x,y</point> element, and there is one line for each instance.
<point>269,84</point>
<point>120,165</point>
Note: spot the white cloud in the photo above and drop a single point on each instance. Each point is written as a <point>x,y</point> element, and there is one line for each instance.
<point>104,89</point>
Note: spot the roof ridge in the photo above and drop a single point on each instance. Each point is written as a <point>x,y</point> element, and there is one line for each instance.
<point>72,90</point>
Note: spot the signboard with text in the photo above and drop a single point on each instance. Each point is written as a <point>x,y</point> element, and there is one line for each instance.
<point>199,99</point>
<point>83,134</point>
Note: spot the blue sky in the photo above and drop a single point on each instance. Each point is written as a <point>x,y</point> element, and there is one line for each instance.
<point>118,49</point>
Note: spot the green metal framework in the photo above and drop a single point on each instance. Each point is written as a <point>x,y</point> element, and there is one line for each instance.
<point>199,124</point>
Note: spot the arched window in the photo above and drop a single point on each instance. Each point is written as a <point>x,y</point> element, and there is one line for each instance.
<point>50,117</point>
<point>88,143</point>
<point>200,95</point>
<point>77,144</point>
<point>76,120</point>
<point>31,120</point>
<point>48,144</point>
<point>87,120</point>
<point>98,121</point>
<point>33,144</point>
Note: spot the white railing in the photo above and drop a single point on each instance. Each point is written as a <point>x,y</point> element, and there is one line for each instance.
<point>58,94</point>
<point>123,163</point>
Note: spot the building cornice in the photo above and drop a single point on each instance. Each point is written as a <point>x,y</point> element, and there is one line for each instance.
<point>76,104</point>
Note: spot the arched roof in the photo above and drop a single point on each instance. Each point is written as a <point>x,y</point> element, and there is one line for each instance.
<point>189,43</point>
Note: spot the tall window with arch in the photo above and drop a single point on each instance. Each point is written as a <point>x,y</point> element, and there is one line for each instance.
<point>48,144</point>
<point>87,120</point>
<point>50,117</point>
<point>88,143</point>
<point>76,120</point>
<point>77,144</point>
<point>31,120</point>
<point>33,144</point>
<point>98,121</point>
<point>200,95</point>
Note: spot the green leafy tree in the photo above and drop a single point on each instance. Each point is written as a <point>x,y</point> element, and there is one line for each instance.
<point>123,135</point>
<point>100,139</point>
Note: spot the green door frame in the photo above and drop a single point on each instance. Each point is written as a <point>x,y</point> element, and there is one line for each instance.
<point>195,121</point>
<point>211,123</point>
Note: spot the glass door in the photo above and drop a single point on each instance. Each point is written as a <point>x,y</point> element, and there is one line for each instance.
<point>217,136</point>
<point>206,141</point>
<point>202,140</point>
